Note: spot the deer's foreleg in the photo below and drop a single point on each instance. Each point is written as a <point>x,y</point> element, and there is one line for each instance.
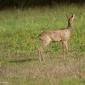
<point>65,44</point>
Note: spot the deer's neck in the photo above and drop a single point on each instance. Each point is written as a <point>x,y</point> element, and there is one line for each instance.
<point>69,26</point>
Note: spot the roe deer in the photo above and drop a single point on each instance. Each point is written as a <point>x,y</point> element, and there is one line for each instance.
<point>61,35</point>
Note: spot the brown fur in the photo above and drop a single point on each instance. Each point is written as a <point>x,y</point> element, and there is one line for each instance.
<point>56,35</point>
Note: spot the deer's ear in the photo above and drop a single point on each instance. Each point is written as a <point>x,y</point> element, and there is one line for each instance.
<point>73,16</point>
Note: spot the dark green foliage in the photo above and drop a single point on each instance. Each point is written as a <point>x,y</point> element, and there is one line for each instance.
<point>32,3</point>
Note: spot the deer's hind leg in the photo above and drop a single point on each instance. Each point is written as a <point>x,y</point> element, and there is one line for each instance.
<point>43,44</point>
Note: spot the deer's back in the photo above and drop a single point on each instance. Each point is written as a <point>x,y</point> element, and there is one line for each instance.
<point>56,35</point>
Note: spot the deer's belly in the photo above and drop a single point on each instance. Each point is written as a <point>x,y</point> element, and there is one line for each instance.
<point>56,38</point>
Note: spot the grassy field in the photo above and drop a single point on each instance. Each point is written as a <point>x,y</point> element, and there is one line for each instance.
<point>19,30</point>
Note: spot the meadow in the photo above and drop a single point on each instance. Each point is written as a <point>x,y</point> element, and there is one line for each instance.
<point>19,40</point>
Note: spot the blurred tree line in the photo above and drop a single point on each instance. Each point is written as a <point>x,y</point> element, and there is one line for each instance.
<point>27,3</point>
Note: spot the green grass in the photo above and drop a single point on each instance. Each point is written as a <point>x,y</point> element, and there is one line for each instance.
<point>19,30</point>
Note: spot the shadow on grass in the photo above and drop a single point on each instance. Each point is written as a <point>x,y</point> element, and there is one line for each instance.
<point>23,60</point>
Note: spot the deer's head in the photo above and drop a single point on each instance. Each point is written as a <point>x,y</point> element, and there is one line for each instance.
<point>70,18</point>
